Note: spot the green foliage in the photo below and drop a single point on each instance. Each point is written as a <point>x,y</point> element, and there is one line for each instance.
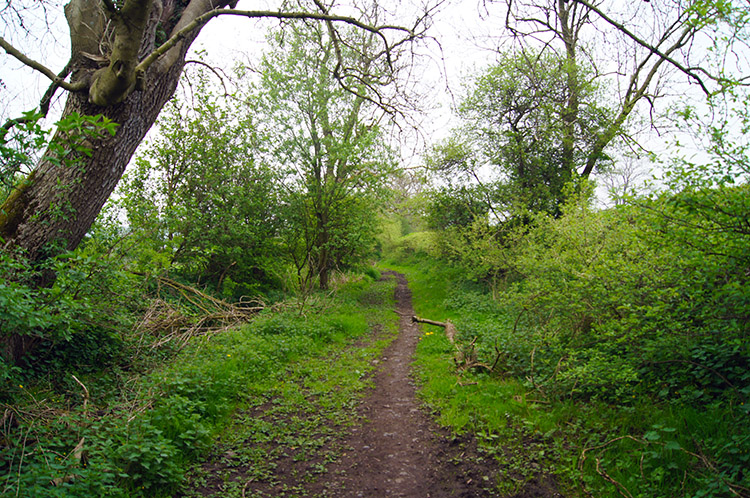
<point>73,131</point>
<point>73,321</point>
<point>629,324</point>
<point>327,142</point>
<point>18,147</point>
<point>456,208</point>
<point>143,444</point>
<point>198,203</point>
<point>673,443</point>
<point>530,125</point>
<point>373,273</point>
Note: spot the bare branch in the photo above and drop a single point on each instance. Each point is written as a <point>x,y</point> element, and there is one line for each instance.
<point>43,104</point>
<point>57,80</point>
<point>690,72</point>
<point>214,70</point>
<point>259,14</point>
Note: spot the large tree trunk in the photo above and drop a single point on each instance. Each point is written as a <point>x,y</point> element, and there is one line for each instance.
<point>60,202</point>
<point>57,204</point>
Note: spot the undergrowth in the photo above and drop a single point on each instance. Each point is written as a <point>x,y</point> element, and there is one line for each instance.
<point>113,432</point>
<point>291,424</point>
<point>638,441</point>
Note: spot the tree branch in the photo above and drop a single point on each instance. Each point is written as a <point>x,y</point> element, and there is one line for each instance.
<point>259,14</point>
<point>620,27</point>
<point>14,52</point>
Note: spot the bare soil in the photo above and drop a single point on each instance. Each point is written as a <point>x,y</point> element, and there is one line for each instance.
<point>397,450</point>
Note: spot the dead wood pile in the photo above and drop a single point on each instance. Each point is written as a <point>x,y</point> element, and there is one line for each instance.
<point>171,324</point>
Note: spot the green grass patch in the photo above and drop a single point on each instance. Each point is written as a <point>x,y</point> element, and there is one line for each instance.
<point>637,445</point>
<point>143,445</point>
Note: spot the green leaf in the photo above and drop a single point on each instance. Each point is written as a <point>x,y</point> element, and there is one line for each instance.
<point>672,445</point>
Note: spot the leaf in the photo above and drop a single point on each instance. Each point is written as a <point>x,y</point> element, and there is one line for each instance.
<point>672,445</point>
<point>651,436</point>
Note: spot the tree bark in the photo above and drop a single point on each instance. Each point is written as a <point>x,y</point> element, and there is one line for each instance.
<point>450,329</point>
<point>58,203</point>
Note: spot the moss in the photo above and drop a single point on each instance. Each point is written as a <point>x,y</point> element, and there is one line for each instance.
<point>12,209</point>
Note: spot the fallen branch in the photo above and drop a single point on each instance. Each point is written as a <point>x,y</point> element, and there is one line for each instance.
<point>86,392</point>
<point>450,329</point>
<point>171,324</point>
<point>465,358</point>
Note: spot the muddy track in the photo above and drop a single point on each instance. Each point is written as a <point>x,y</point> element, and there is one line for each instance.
<point>396,450</point>
<point>399,451</point>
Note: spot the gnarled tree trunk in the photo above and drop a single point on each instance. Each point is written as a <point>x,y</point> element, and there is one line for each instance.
<point>57,204</point>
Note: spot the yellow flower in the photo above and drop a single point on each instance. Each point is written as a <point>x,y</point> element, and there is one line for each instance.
<point>229,355</point>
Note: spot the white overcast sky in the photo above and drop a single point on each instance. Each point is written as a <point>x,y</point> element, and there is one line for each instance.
<point>225,40</point>
<point>463,29</point>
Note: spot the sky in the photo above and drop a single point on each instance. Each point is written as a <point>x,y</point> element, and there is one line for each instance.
<point>463,36</point>
<point>452,52</point>
<point>456,25</point>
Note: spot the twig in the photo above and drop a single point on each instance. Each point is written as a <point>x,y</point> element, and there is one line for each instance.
<point>620,487</point>
<point>86,392</point>
<point>246,485</point>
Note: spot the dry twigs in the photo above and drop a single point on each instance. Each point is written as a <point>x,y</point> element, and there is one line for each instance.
<point>735,489</point>
<point>171,325</point>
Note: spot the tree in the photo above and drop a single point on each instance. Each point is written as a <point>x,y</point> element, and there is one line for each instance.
<point>539,114</point>
<point>517,121</point>
<point>328,140</point>
<point>126,61</point>
<point>648,40</point>
<point>198,199</point>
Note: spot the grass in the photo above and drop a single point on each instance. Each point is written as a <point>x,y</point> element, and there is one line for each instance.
<point>142,442</point>
<point>508,425</point>
<point>638,447</point>
<point>293,425</point>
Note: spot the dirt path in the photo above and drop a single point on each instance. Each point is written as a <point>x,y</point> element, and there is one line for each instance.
<point>395,450</point>
<point>399,451</point>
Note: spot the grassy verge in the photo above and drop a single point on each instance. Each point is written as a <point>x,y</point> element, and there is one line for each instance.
<point>142,443</point>
<point>631,447</point>
<point>287,433</point>
<point>508,425</point>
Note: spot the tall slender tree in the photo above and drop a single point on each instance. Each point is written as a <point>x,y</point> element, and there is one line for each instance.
<point>328,140</point>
